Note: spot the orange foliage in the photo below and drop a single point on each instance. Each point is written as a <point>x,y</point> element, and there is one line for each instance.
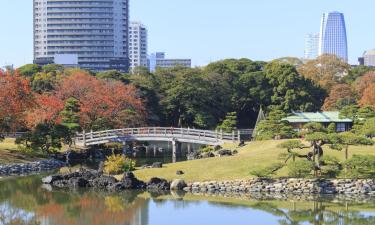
<point>368,97</point>
<point>15,99</point>
<point>363,82</point>
<point>110,102</point>
<point>339,91</point>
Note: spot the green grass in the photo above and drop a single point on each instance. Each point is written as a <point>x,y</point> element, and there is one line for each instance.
<point>9,153</point>
<point>254,155</point>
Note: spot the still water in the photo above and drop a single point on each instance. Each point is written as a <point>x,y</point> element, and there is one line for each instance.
<point>26,201</point>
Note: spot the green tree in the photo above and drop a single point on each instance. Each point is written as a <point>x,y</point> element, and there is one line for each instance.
<point>113,75</point>
<point>45,138</point>
<point>290,146</point>
<point>70,118</point>
<point>29,70</point>
<point>300,168</point>
<point>229,124</point>
<point>368,128</point>
<point>291,91</point>
<point>274,127</point>
<point>361,166</point>
<point>346,139</point>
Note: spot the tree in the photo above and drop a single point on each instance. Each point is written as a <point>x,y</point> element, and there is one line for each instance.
<point>326,70</point>
<point>113,75</point>
<point>368,128</point>
<point>43,82</point>
<point>274,127</point>
<point>29,70</point>
<point>356,73</point>
<point>368,97</point>
<point>70,118</point>
<point>103,104</point>
<point>230,123</point>
<point>347,139</point>
<point>291,145</point>
<point>362,83</point>
<point>339,93</point>
<point>15,99</point>
<point>291,91</point>
<point>46,138</point>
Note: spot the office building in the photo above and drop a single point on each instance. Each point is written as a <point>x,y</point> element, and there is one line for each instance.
<point>158,60</point>
<point>137,45</point>
<point>311,46</point>
<point>333,38</point>
<point>369,58</point>
<point>95,31</point>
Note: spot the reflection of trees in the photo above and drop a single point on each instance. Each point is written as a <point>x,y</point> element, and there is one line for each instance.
<point>318,214</point>
<point>14,216</point>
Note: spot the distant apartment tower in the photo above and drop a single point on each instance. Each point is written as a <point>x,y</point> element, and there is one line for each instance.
<point>137,45</point>
<point>368,58</point>
<point>158,60</point>
<point>95,32</point>
<point>333,38</point>
<point>311,45</point>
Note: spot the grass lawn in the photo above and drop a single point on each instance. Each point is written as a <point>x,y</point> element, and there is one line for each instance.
<point>9,153</point>
<point>252,156</point>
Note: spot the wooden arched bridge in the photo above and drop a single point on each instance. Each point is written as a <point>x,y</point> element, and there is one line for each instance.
<point>179,135</point>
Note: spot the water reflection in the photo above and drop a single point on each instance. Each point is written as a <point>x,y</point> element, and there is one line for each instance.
<point>25,201</point>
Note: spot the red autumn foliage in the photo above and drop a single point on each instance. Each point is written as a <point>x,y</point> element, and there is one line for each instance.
<point>338,91</point>
<point>110,104</point>
<point>368,97</point>
<point>15,99</point>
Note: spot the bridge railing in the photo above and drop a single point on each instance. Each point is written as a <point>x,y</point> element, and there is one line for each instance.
<point>192,134</point>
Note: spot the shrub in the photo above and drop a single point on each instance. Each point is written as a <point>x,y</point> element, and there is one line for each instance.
<point>268,171</point>
<point>205,149</point>
<point>300,168</point>
<point>361,166</point>
<point>331,167</point>
<point>116,164</point>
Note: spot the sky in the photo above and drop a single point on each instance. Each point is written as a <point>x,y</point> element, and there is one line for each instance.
<point>210,30</point>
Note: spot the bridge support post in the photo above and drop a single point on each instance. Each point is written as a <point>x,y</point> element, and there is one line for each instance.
<point>189,148</point>
<point>176,150</point>
<point>124,148</point>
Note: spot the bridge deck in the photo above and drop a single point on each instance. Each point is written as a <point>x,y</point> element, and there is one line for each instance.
<point>185,135</point>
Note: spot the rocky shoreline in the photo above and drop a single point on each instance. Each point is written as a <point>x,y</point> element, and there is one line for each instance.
<point>23,169</point>
<point>98,181</point>
<point>287,185</point>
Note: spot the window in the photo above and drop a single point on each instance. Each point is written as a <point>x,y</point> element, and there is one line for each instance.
<point>340,127</point>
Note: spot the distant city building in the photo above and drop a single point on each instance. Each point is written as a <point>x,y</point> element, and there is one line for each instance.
<point>369,58</point>
<point>361,61</point>
<point>95,31</point>
<point>158,60</point>
<point>333,38</point>
<point>311,46</point>
<point>137,45</point>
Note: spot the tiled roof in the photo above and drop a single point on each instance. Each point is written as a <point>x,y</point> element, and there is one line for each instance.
<point>319,117</point>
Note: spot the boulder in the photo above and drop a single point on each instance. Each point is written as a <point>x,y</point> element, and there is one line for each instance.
<point>51,179</point>
<point>180,172</point>
<point>130,182</point>
<point>78,182</point>
<point>103,181</point>
<point>157,165</point>
<point>178,185</point>
<point>224,152</point>
<point>158,184</point>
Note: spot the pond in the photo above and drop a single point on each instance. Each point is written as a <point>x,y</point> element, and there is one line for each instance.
<point>25,201</point>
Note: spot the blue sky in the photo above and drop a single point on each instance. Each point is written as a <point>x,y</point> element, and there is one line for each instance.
<point>209,30</point>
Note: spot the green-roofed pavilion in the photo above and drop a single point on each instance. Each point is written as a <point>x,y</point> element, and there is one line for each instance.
<point>298,119</point>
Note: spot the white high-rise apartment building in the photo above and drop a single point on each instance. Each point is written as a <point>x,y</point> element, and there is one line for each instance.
<point>311,46</point>
<point>137,45</point>
<point>369,58</point>
<point>94,32</point>
<point>333,38</point>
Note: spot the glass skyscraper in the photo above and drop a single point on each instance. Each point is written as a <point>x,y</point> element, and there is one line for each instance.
<point>333,38</point>
<point>93,32</point>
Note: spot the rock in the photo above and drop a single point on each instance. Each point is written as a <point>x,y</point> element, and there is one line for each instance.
<point>158,184</point>
<point>103,181</point>
<point>179,172</point>
<point>224,152</point>
<point>157,165</point>
<point>178,185</point>
<point>207,155</point>
<point>130,182</point>
<point>78,182</point>
<point>51,179</point>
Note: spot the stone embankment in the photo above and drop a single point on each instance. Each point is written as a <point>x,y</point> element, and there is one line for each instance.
<point>22,169</point>
<point>291,186</point>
